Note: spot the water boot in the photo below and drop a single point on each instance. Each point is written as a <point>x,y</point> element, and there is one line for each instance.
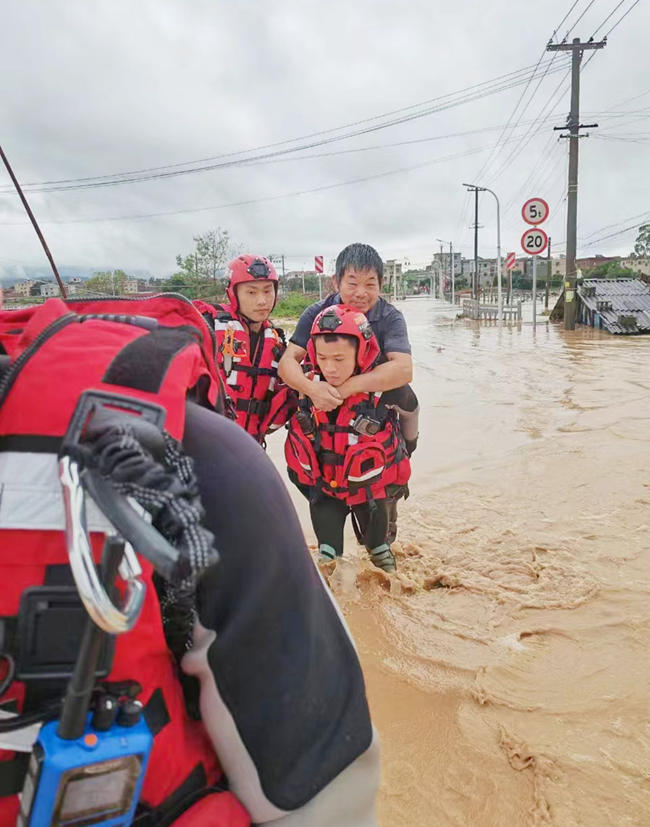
<point>383,557</point>
<point>326,554</point>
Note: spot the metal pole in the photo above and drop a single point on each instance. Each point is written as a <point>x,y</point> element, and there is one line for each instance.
<point>499,290</point>
<point>548,275</point>
<point>570,304</point>
<point>570,283</point>
<point>453,274</point>
<point>534,292</point>
<point>5,160</point>
<point>476,283</point>
<point>394,281</point>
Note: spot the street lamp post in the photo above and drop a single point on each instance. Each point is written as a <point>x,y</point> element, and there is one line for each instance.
<point>499,293</point>
<point>452,267</point>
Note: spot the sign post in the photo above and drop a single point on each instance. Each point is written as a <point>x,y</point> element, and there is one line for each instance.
<point>534,242</point>
<point>534,212</point>
<point>511,263</point>
<point>318,266</point>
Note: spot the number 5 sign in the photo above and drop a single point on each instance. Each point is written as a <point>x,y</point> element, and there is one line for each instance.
<point>535,211</point>
<point>534,241</point>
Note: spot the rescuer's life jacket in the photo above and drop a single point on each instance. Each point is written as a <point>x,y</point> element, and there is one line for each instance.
<point>154,350</point>
<point>356,452</point>
<point>261,402</point>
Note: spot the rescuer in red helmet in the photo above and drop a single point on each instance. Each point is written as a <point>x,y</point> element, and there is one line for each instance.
<point>249,346</point>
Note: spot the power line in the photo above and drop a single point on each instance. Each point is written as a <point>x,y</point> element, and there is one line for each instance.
<point>467,95</point>
<point>611,14</point>
<point>622,18</point>
<point>581,16</point>
<point>488,162</point>
<point>261,200</point>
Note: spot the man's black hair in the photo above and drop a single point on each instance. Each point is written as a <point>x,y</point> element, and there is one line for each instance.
<point>331,338</point>
<point>362,257</point>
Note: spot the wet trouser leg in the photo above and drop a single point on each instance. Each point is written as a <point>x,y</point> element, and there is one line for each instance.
<point>328,517</point>
<point>373,521</point>
<point>391,507</point>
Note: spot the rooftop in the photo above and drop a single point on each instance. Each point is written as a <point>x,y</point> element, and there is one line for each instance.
<point>623,304</point>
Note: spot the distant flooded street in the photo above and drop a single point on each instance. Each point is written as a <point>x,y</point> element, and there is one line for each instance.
<point>508,662</point>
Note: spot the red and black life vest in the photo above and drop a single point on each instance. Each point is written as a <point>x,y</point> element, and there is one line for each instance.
<point>340,457</point>
<point>58,351</point>
<point>262,403</point>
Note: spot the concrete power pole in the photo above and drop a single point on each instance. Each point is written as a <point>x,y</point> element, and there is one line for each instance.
<point>574,126</point>
<point>476,226</point>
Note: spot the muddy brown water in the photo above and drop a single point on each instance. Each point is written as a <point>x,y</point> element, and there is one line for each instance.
<point>508,661</point>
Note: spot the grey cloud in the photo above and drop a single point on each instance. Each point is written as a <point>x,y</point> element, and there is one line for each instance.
<point>102,87</point>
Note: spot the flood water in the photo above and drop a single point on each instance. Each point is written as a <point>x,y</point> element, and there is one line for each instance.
<point>508,660</point>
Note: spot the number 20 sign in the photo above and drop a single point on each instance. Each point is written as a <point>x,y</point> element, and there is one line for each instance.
<point>534,241</point>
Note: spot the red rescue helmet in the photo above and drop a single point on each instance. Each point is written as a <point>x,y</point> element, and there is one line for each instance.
<point>249,268</point>
<point>342,320</point>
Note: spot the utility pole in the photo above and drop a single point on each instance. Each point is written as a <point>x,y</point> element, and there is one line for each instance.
<point>476,276</point>
<point>574,126</point>
<point>548,274</point>
<point>476,226</point>
<point>476,190</point>
<point>442,273</point>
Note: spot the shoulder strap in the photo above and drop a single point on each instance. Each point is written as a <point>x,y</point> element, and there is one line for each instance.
<point>143,363</point>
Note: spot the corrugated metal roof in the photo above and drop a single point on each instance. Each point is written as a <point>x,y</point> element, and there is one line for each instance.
<point>627,297</point>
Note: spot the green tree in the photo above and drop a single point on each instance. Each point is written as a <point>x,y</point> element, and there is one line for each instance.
<point>609,270</point>
<point>110,282</point>
<point>642,245</point>
<point>200,271</point>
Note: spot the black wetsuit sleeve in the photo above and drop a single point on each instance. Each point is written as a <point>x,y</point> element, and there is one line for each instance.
<point>403,398</point>
<point>283,661</point>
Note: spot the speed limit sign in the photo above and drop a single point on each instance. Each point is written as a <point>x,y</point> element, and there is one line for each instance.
<point>534,241</point>
<point>535,211</point>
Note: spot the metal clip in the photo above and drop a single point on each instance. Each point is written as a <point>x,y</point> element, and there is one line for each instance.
<point>111,618</point>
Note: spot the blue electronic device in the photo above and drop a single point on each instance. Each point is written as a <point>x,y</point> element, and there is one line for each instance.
<point>94,779</point>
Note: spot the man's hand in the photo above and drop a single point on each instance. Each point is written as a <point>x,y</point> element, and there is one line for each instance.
<point>324,397</point>
<point>349,387</point>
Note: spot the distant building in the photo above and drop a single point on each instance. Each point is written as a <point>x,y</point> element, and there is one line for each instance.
<point>131,286</point>
<point>24,288</point>
<point>595,261</point>
<point>558,267</point>
<point>76,280</point>
<point>444,259</point>
<point>640,266</point>
<point>50,290</point>
<point>392,269</point>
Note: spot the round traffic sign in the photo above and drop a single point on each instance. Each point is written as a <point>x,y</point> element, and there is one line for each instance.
<point>534,241</point>
<point>535,211</point>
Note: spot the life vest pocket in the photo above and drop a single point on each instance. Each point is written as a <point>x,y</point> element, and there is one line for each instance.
<point>300,456</point>
<point>364,464</point>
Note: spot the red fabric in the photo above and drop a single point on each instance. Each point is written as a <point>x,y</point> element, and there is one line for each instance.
<point>41,402</point>
<point>216,810</point>
<point>369,453</point>
<point>240,385</point>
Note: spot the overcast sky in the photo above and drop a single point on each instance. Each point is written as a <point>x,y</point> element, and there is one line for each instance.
<point>109,86</point>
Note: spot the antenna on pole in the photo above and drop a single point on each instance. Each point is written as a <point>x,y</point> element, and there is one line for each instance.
<point>34,222</point>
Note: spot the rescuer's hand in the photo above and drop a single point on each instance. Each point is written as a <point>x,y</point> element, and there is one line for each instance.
<point>324,397</point>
